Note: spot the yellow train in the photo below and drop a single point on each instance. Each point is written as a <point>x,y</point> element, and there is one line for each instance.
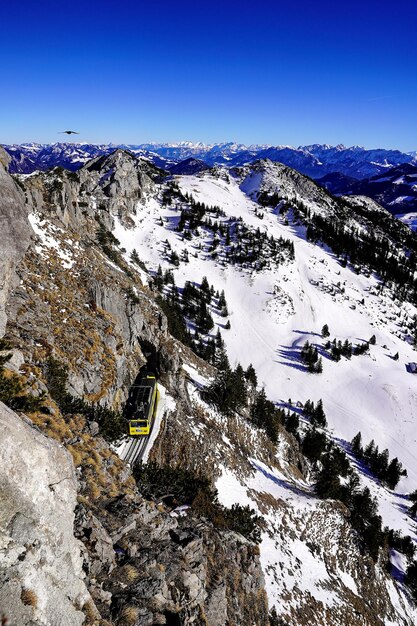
<point>145,404</point>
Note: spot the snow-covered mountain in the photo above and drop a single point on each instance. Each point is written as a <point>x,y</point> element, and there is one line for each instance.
<point>189,166</point>
<point>285,263</point>
<point>27,158</point>
<point>314,160</point>
<point>273,310</point>
<point>395,189</point>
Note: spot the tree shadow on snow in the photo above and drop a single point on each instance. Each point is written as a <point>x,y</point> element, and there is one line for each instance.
<point>306,332</point>
<point>292,357</point>
<point>291,407</point>
<point>171,223</point>
<point>402,507</point>
<point>396,573</point>
<point>282,483</point>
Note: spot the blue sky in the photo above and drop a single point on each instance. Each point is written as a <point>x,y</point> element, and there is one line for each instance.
<point>271,72</point>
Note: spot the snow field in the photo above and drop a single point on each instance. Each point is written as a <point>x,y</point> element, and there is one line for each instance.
<point>272,314</point>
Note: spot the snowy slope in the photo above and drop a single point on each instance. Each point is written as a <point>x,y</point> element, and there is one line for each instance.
<point>272,314</point>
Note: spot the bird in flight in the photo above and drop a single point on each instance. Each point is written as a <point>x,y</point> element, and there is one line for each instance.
<point>68,132</point>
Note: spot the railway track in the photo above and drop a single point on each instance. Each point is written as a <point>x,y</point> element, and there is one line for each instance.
<point>135,448</point>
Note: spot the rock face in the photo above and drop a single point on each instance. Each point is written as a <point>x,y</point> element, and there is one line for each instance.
<point>89,288</point>
<point>15,232</point>
<point>75,302</point>
<point>41,577</point>
<point>170,570</point>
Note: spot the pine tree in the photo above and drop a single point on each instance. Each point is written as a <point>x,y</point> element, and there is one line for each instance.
<point>325,331</point>
<point>222,361</point>
<point>250,375</point>
<point>205,288</point>
<point>411,579</point>
<point>228,389</point>
<point>413,507</point>
<point>222,300</point>
<point>328,482</point>
<point>318,416</point>
<point>158,279</point>
<point>347,349</point>
<point>308,408</point>
<point>369,450</point>
<point>314,444</point>
<point>219,340</point>
<point>356,444</point>
<point>335,351</point>
<point>393,473</point>
<point>134,257</point>
<point>305,350</point>
<point>265,415</point>
<point>174,259</point>
<point>319,366</point>
<point>292,423</point>
<point>382,464</point>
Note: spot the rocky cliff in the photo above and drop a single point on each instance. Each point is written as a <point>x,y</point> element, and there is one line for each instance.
<point>93,315</point>
<point>15,232</point>
<point>41,575</point>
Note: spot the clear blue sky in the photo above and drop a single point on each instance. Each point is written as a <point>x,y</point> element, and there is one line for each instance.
<point>293,72</point>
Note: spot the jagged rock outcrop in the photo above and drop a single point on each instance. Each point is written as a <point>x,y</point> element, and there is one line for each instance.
<point>88,289</point>
<point>105,187</point>
<point>41,576</point>
<point>15,232</point>
<point>165,569</point>
<point>75,303</point>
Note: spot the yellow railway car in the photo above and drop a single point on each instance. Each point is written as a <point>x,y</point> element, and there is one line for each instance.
<point>145,405</point>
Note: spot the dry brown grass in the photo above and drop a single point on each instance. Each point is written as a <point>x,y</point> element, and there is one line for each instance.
<point>57,297</point>
<point>93,491</point>
<point>266,502</point>
<point>129,573</point>
<point>91,614</point>
<point>29,598</point>
<point>129,616</point>
<point>113,491</point>
<point>77,422</point>
<point>52,425</point>
<point>77,454</point>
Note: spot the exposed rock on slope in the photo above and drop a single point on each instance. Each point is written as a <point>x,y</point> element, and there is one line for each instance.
<point>41,576</point>
<point>94,315</point>
<point>170,570</point>
<point>15,234</point>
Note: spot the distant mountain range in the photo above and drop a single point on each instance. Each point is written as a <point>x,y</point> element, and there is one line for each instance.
<point>315,160</point>
<point>395,189</point>
<point>384,175</point>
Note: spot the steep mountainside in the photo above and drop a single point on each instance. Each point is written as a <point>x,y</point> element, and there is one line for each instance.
<point>79,320</point>
<point>395,189</point>
<point>87,306</point>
